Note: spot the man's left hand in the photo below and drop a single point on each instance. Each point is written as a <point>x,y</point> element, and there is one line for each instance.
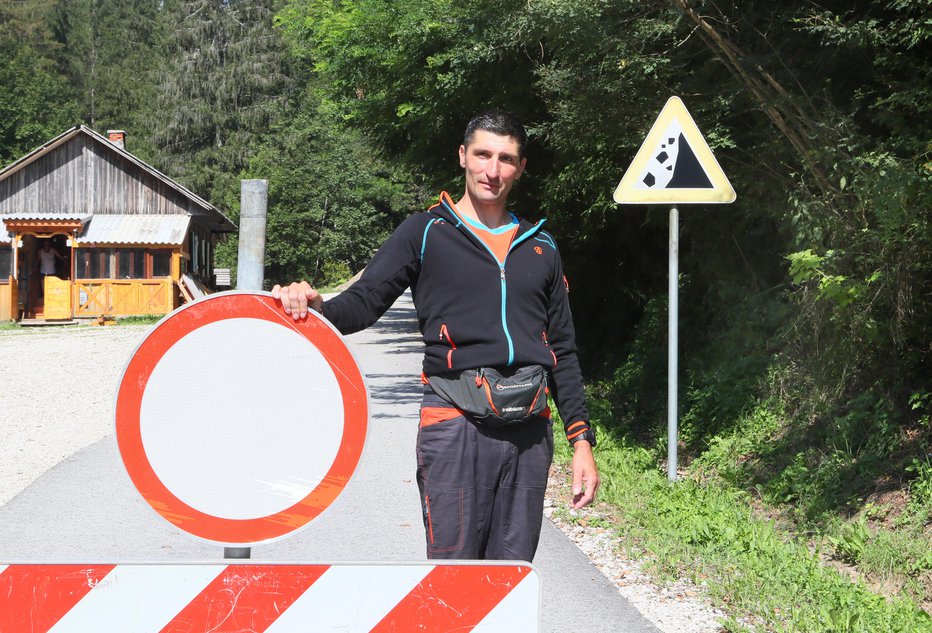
<point>585,475</point>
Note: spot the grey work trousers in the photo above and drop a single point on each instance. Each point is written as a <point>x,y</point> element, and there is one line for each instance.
<point>482,489</point>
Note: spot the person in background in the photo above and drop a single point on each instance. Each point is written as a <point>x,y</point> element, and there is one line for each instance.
<point>47,257</point>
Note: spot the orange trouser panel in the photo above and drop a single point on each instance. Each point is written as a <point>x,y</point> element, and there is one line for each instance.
<point>435,415</point>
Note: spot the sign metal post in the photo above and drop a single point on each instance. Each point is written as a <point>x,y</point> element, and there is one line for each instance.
<point>250,266</point>
<point>674,166</point>
<point>672,344</point>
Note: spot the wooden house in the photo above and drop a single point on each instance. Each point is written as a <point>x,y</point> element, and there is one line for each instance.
<point>88,230</point>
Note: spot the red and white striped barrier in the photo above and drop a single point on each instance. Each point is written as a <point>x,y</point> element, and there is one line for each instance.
<point>172,598</point>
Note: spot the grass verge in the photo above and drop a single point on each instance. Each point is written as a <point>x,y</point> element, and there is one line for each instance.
<point>140,319</point>
<point>707,530</point>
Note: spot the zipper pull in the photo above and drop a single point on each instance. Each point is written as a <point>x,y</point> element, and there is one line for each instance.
<point>503,273</point>
<point>479,378</point>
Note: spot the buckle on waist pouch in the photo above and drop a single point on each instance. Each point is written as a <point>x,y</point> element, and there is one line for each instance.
<point>495,397</point>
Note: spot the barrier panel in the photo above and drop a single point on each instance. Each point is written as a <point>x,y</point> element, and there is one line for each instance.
<point>351,598</point>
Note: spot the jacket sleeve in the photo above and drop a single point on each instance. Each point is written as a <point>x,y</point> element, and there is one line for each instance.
<point>393,268</point>
<point>567,387</point>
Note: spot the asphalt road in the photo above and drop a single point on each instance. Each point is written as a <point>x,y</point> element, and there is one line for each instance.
<point>85,509</point>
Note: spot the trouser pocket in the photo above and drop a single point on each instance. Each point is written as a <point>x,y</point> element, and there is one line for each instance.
<point>445,481</point>
<point>445,523</point>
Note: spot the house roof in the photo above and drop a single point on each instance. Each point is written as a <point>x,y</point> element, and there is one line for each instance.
<point>135,229</point>
<point>72,217</point>
<point>18,218</point>
<point>169,230</point>
<point>225,224</point>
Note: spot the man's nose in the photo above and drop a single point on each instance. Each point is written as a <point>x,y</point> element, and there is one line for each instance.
<point>493,168</point>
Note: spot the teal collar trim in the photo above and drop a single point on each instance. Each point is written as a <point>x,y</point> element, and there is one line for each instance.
<point>482,227</point>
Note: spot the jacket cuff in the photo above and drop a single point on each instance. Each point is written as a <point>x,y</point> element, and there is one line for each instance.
<point>580,431</point>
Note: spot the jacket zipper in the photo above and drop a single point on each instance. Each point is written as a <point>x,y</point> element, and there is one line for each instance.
<point>445,333</point>
<point>514,243</point>
<point>501,266</point>
<point>511,345</point>
<point>547,345</point>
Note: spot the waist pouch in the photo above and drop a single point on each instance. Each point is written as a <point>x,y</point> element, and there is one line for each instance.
<point>495,397</point>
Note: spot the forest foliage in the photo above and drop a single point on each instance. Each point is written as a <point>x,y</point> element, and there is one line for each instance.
<point>815,286</point>
<point>806,306</point>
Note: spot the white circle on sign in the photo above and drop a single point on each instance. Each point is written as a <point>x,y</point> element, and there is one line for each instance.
<point>244,456</point>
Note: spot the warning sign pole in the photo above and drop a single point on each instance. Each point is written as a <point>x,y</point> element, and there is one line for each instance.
<point>673,336</point>
<point>674,166</point>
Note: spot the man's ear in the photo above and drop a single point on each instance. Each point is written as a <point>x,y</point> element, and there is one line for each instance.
<point>521,166</point>
<point>463,156</point>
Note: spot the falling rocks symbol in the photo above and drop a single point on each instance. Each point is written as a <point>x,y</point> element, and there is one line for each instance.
<point>677,156</point>
<point>688,173</point>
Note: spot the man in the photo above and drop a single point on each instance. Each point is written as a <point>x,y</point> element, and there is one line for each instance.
<point>47,257</point>
<point>490,292</point>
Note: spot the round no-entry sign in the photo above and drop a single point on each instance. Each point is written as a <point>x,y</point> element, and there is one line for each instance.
<point>237,424</point>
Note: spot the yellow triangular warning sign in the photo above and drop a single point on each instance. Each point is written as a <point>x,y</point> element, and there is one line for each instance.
<point>674,165</point>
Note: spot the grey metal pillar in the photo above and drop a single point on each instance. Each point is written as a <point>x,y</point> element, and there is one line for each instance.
<point>672,343</point>
<point>250,264</point>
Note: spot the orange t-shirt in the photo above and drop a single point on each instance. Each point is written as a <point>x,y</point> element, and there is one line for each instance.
<point>498,243</point>
<point>496,240</point>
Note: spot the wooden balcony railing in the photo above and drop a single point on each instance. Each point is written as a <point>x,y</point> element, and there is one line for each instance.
<point>98,297</point>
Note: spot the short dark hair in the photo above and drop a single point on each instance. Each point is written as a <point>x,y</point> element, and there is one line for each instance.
<point>499,122</point>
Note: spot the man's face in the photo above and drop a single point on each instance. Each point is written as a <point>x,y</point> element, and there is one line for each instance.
<point>492,166</point>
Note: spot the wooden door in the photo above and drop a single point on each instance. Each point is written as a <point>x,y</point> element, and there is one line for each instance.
<point>14,299</point>
<point>57,298</point>
<point>8,311</point>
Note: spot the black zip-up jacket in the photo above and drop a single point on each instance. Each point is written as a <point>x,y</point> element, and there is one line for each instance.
<point>473,312</point>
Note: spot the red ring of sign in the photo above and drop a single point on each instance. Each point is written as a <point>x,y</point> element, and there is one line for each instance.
<point>150,352</point>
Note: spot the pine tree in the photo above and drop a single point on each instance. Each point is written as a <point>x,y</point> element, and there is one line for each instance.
<point>109,51</point>
<point>226,73</point>
<point>35,101</point>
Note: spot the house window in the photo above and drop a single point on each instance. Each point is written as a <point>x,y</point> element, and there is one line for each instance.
<point>161,263</point>
<point>6,264</point>
<point>122,263</point>
<point>93,263</point>
<point>82,264</point>
<point>131,263</point>
<point>199,254</point>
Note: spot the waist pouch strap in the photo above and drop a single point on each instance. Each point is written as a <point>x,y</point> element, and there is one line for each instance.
<point>495,397</point>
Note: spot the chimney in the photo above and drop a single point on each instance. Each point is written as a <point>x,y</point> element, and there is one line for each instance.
<point>117,137</point>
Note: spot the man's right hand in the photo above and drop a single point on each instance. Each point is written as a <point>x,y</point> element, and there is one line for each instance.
<point>297,297</point>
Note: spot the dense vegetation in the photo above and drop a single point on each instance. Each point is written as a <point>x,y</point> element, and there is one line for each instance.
<point>806,329</point>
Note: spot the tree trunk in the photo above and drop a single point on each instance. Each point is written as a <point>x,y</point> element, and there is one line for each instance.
<point>772,96</point>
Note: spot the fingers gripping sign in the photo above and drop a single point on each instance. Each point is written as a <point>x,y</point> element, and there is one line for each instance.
<point>296,297</point>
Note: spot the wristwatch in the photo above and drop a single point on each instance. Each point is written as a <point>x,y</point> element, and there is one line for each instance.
<point>588,435</point>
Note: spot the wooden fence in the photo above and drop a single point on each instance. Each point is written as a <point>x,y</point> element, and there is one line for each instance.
<point>98,297</point>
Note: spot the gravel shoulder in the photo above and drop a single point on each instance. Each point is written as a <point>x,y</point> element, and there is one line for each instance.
<point>57,387</point>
